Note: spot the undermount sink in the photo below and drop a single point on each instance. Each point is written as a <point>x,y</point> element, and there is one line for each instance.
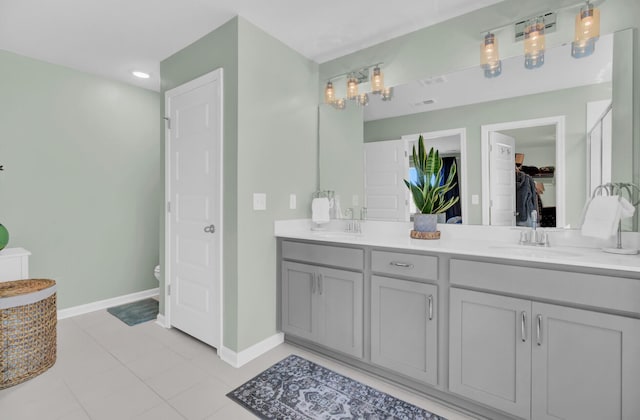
<point>532,251</point>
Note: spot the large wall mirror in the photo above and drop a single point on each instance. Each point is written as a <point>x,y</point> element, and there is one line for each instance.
<point>549,113</point>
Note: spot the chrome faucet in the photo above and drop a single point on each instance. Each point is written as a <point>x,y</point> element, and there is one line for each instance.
<point>534,237</point>
<point>354,226</point>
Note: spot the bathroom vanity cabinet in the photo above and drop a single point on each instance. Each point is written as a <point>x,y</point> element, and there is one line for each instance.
<point>404,318</point>
<point>538,360</point>
<point>499,338</point>
<point>324,304</point>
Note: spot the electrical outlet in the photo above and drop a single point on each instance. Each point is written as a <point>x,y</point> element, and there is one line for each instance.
<point>355,200</point>
<point>292,201</point>
<point>475,199</point>
<point>259,201</point>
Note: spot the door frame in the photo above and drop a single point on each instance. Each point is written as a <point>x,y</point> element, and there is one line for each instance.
<point>559,122</point>
<point>215,75</point>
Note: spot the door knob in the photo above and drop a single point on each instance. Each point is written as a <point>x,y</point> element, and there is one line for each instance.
<point>210,229</point>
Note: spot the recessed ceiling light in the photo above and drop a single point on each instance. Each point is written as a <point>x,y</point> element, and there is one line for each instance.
<point>140,74</point>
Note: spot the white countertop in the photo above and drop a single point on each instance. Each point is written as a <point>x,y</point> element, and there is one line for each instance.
<point>568,247</point>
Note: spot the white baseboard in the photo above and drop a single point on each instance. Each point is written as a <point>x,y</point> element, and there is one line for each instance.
<point>162,321</point>
<point>107,303</point>
<point>237,359</point>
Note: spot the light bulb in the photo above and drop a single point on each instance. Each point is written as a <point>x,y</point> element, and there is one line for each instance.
<point>489,56</point>
<point>377,81</point>
<point>329,93</point>
<point>534,44</point>
<point>352,88</point>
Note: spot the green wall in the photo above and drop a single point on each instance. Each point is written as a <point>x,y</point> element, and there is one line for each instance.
<point>217,49</point>
<point>277,136</point>
<point>81,178</point>
<point>455,44</point>
<point>270,136</point>
<point>568,102</point>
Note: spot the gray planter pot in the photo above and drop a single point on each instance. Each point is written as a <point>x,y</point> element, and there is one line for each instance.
<point>425,222</point>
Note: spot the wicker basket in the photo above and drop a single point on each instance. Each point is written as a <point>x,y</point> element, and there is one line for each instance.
<point>28,319</point>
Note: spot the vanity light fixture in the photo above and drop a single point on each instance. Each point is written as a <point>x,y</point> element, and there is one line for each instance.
<point>352,87</point>
<point>377,80</point>
<point>489,56</point>
<point>329,94</point>
<point>339,104</point>
<point>387,94</point>
<point>534,43</point>
<point>355,79</point>
<point>587,31</point>
<point>363,99</point>
<point>140,74</point>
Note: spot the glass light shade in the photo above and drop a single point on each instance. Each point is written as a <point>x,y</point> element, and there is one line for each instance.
<point>329,93</point>
<point>352,88</point>
<point>494,70</point>
<point>377,81</point>
<point>534,44</point>
<point>387,94</point>
<point>587,31</point>
<point>363,99</point>
<point>339,103</point>
<point>490,56</point>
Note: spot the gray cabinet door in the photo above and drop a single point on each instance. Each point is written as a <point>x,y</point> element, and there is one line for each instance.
<point>298,300</point>
<point>490,350</point>
<point>586,365</point>
<point>340,315</point>
<point>404,327</point>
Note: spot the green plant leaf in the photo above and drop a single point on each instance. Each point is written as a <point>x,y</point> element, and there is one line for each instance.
<point>431,185</point>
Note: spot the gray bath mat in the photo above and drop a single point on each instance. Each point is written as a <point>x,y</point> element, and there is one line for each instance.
<point>298,389</point>
<point>136,312</point>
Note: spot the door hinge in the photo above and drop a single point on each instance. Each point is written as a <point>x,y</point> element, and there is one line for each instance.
<point>168,206</point>
<point>168,120</point>
<point>168,290</point>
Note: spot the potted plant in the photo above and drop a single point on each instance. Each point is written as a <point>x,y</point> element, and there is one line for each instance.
<point>429,189</point>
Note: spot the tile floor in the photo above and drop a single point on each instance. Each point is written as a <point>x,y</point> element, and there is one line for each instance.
<point>107,370</point>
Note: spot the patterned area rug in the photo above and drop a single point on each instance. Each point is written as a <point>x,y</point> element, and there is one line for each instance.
<point>298,389</point>
<point>136,312</point>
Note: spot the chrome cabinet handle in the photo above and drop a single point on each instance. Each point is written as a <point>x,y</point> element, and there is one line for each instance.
<point>210,229</point>
<point>430,300</point>
<point>401,264</point>
<point>523,326</point>
<point>320,281</point>
<point>313,284</point>
<point>539,330</point>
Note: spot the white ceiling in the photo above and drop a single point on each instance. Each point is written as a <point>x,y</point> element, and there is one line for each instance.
<point>113,37</point>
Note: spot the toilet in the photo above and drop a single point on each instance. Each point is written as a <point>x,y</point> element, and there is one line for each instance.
<point>156,272</point>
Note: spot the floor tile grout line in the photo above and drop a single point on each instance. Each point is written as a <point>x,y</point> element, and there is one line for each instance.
<point>75,397</point>
<point>123,364</point>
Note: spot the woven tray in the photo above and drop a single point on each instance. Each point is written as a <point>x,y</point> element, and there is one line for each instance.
<point>425,235</point>
<point>28,320</point>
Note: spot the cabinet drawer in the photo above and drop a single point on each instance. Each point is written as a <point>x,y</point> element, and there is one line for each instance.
<point>351,258</point>
<point>407,265</point>
<point>599,291</point>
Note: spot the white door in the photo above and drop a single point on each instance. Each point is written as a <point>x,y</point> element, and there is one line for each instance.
<point>502,186</point>
<point>194,187</point>
<point>385,167</point>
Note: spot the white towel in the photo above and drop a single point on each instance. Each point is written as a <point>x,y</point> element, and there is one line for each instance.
<point>320,210</point>
<point>603,215</point>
